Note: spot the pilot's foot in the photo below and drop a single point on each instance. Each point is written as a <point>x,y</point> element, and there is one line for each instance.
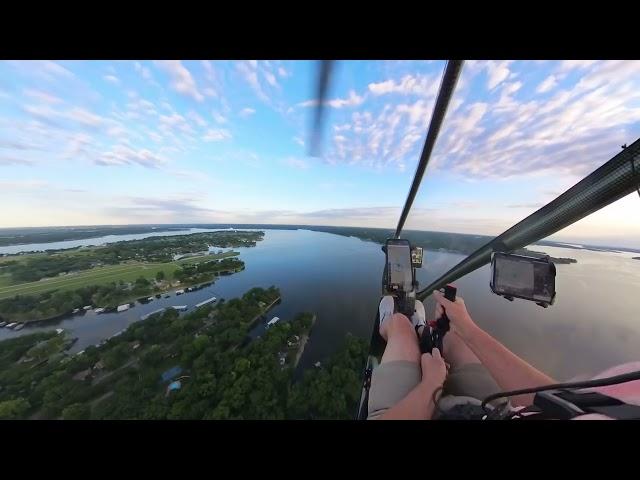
<point>419,317</point>
<point>387,309</point>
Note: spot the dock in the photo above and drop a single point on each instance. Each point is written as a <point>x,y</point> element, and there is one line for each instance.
<point>206,302</point>
<point>180,308</point>
<point>303,342</point>
<point>264,310</point>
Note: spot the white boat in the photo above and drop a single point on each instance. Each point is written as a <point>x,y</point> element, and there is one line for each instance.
<point>122,308</point>
<point>180,308</point>
<point>273,321</point>
<point>75,310</point>
<point>99,310</point>
<point>179,292</point>
<point>150,299</point>
<point>59,330</point>
<point>88,307</point>
<point>20,326</point>
<point>2,324</point>
<point>11,325</point>
<point>205,302</point>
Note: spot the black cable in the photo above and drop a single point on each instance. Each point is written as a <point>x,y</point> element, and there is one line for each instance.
<point>602,382</point>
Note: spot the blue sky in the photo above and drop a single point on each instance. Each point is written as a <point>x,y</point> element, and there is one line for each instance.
<point>116,142</point>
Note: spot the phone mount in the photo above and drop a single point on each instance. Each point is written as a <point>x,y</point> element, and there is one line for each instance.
<point>540,288</point>
<point>405,299</point>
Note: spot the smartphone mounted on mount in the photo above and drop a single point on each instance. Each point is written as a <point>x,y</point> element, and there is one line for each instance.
<point>400,274</point>
<point>520,276</point>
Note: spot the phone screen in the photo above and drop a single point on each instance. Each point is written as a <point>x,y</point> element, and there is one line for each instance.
<point>524,278</point>
<point>399,265</point>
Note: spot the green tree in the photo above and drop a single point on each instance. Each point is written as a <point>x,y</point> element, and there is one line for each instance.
<point>77,411</point>
<point>160,276</point>
<point>14,409</point>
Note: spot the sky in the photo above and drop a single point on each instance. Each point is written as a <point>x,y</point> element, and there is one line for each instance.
<point>131,142</point>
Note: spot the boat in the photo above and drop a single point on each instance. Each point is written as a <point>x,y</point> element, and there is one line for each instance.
<point>2,324</point>
<point>167,296</point>
<point>205,302</point>
<point>273,321</point>
<point>20,326</point>
<point>180,308</point>
<point>158,295</point>
<point>87,307</point>
<point>59,330</point>
<point>12,324</point>
<point>123,307</point>
<point>150,299</point>
<point>75,310</point>
<point>179,292</point>
<point>99,310</point>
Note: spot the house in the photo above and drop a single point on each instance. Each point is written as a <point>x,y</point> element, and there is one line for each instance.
<point>99,365</point>
<point>82,376</point>
<point>273,321</point>
<point>173,386</point>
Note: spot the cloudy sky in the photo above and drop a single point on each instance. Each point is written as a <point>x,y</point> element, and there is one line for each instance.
<point>122,142</point>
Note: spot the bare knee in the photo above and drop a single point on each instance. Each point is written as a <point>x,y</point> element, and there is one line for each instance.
<point>398,323</point>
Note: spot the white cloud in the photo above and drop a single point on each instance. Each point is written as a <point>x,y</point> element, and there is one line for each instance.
<point>169,124</point>
<point>497,72</point>
<point>297,163</point>
<point>216,135</point>
<point>197,118</point>
<point>181,79</point>
<point>299,141</point>
<point>125,155</point>
<point>568,65</point>
<point>112,79</point>
<point>282,72</point>
<point>246,112</point>
<point>352,100</point>
<point>569,133</point>
<point>271,79</point>
<point>424,85</point>
<point>218,117</point>
<point>42,96</point>
<point>85,117</point>
<point>547,84</point>
<point>249,71</point>
<point>8,160</point>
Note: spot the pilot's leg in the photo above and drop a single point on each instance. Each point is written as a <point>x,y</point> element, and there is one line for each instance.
<point>467,376</point>
<point>399,370</point>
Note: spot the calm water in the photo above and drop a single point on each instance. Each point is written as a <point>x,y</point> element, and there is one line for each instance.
<point>84,242</point>
<point>593,324</point>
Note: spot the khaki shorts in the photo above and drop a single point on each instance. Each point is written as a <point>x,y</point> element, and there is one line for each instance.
<point>392,381</point>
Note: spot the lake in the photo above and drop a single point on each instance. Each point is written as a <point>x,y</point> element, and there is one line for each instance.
<point>592,325</point>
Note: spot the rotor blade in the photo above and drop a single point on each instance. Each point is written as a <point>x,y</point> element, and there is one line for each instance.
<point>612,181</point>
<point>324,79</point>
<point>447,86</point>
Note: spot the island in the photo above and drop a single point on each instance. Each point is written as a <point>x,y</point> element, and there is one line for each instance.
<point>199,365</point>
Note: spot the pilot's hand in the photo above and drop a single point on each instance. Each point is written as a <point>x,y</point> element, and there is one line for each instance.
<point>456,312</point>
<point>434,370</point>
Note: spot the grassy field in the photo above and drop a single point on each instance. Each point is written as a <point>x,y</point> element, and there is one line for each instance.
<point>101,275</point>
